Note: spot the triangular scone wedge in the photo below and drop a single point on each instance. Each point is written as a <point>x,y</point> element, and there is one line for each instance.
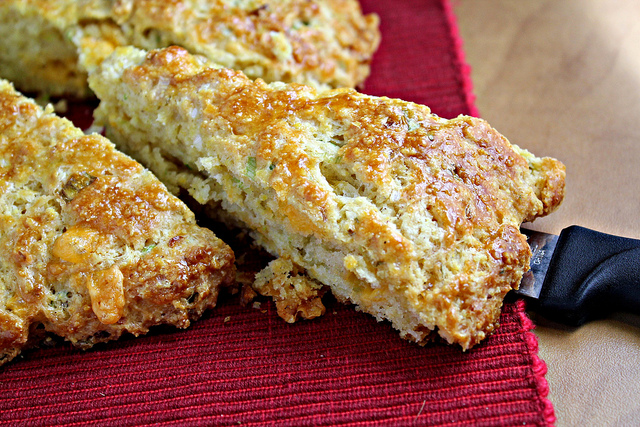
<point>412,217</point>
<point>48,46</point>
<point>92,245</point>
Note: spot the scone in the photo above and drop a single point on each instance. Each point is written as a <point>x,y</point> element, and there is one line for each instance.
<point>92,245</point>
<point>413,218</point>
<point>48,45</point>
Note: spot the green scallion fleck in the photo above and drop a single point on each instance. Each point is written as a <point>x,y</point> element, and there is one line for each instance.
<point>412,125</point>
<point>237,182</point>
<point>148,248</point>
<point>251,167</point>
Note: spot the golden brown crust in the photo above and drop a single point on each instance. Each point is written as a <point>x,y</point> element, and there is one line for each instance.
<point>412,217</point>
<point>91,244</point>
<point>327,43</point>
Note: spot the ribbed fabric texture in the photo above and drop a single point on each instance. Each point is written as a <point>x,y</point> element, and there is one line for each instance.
<point>245,366</point>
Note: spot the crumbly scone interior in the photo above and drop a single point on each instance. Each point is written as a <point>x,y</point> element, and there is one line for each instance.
<point>92,245</point>
<point>412,217</point>
<point>47,58</point>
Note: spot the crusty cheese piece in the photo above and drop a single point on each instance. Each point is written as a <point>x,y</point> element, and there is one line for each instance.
<point>412,217</point>
<point>92,245</point>
<point>47,45</point>
<point>294,293</point>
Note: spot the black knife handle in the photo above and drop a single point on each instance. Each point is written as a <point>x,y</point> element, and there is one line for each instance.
<point>591,275</point>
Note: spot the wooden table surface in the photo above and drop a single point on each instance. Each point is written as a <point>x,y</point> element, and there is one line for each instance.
<point>562,79</point>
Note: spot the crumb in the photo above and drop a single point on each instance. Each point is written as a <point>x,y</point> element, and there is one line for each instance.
<point>296,295</point>
<point>61,106</point>
<point>247,294</point>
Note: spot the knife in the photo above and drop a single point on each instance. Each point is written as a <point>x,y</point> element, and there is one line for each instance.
<point>581,275</point>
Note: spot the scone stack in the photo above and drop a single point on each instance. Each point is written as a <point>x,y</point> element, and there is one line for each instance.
<point>412,218</point>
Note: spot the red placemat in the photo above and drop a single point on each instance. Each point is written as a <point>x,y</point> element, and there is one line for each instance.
<point>245,366</point>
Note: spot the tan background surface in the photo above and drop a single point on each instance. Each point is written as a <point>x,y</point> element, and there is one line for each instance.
<point>562,79</point>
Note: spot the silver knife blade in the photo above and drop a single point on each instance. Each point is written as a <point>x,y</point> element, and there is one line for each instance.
<point>542,247</point>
